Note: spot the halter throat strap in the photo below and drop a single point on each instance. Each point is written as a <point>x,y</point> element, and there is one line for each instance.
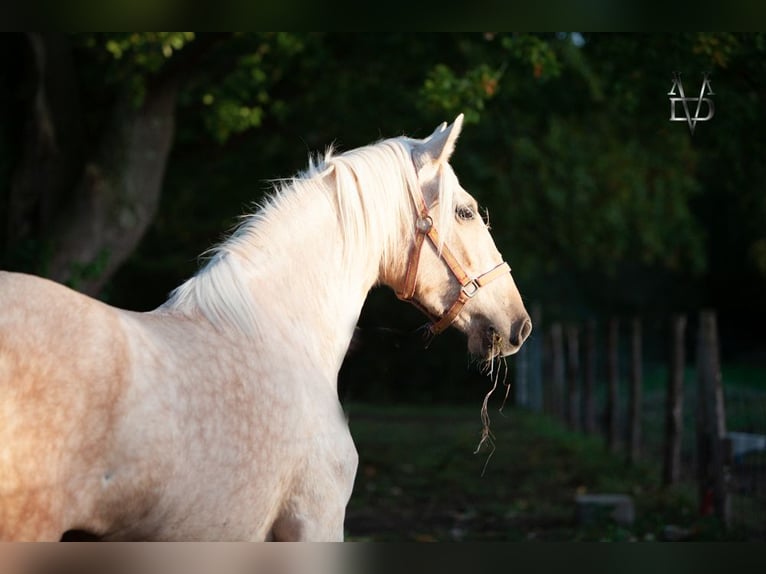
<point>469,286</point>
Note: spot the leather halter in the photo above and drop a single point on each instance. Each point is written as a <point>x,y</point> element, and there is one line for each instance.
<point>424,227</point>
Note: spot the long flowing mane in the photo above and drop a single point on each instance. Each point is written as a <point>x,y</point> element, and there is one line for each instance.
<point>371,190</point>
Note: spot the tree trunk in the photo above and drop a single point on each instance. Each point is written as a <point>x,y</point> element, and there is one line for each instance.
<point>117,196</point>
<point>52,145</point>
<point>83,212</point>
<point>674,402</point>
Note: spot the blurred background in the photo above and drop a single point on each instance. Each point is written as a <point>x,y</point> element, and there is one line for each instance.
<point>123,157</point>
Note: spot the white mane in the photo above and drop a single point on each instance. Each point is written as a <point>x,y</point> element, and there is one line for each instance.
<point>372,191</point>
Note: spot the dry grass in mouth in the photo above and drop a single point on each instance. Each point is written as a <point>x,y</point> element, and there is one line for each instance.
<point>492,368</point>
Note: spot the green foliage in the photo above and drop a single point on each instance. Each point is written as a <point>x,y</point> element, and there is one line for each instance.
<point>145,51</point>
<point>605,198</point>
<point>538,53</point>
<point>719,48</point>
<point>449,94</point>
<point>238,100</point>
<point>127,60</point>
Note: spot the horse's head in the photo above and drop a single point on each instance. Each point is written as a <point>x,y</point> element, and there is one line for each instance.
<point>453,270</point>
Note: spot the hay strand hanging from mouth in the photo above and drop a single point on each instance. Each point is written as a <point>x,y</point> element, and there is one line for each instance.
<point>491,368</point>
<point>487,437</point>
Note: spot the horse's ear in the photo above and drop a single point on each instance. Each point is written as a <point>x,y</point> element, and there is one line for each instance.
<point>440,128</point>
<point>438,147</point>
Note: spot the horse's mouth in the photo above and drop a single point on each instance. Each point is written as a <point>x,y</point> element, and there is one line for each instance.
<point>485,341</point>
<point>492,342</point>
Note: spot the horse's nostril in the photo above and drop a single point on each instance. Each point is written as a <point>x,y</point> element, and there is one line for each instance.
<point>526,329</point>
<point>519,332</point>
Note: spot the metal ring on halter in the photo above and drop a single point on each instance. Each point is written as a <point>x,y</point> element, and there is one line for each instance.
<point>424,224</point>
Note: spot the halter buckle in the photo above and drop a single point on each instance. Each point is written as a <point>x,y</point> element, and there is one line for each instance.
<point>471,288</point>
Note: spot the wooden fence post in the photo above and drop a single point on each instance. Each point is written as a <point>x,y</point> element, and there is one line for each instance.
<point>634,432</point>
<point>557,350</point>
<point>613,376</point>
<point>573,373</point>
<point>711,426</point>
<point>589,410</point>
<point>674,404</point>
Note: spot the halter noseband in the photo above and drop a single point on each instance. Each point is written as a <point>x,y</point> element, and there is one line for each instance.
<point>424,227</point>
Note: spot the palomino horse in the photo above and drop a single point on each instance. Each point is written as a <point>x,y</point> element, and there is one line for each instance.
<point>216,416</point>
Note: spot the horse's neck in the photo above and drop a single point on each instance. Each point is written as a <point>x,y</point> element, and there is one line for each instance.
<point>305,299</point>
<point>313,294</point>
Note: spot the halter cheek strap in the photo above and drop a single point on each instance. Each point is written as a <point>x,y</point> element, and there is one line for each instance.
<point>424,227</point>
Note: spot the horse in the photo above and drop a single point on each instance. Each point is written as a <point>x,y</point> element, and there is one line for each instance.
<point>216,415</point>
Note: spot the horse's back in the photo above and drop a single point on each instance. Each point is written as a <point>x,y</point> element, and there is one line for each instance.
<point>49,332</point>
<point>62,360</point>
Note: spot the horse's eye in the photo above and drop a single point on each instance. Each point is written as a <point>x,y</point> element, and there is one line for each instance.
<point>464,212</point>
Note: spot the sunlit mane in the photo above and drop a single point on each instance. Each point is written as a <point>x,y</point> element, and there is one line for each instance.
<point>372,191</point>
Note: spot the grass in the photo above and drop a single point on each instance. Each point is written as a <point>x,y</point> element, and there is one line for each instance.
<point>744,376</point>
<point>739,376</point>
<point>419,480</point>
